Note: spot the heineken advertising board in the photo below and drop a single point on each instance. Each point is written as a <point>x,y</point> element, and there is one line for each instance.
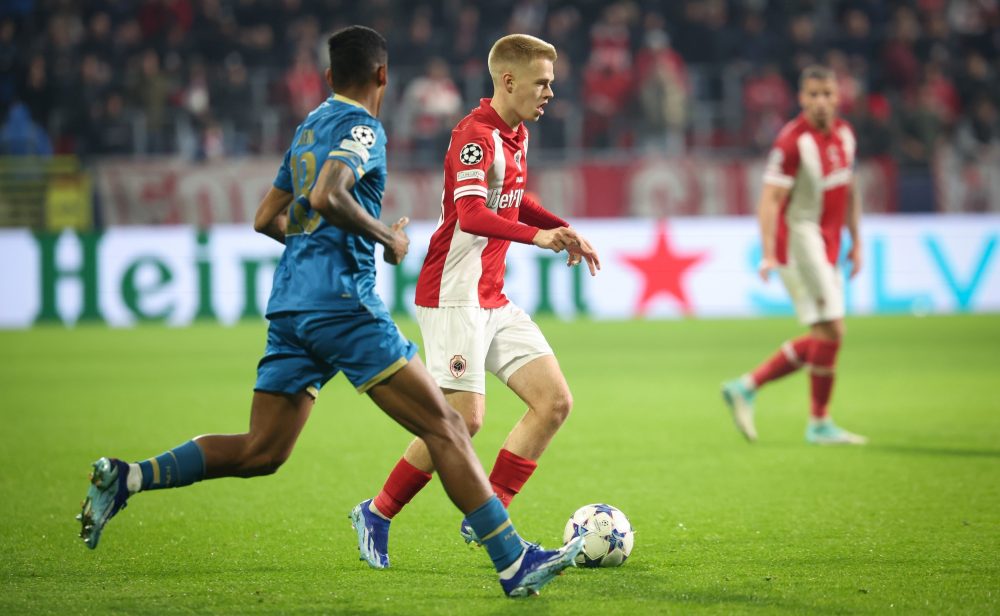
<point>698,267</point>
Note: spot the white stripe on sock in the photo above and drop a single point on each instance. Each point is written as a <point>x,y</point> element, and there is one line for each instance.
<point>133,481</point>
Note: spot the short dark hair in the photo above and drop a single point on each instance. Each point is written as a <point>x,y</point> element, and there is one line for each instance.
<point>355,53</point>
<point>814,71</point>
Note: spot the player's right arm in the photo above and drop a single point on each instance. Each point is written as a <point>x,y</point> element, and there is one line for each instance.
<point>331,198</point>
<point>768,209</point>
<point>779,178</point>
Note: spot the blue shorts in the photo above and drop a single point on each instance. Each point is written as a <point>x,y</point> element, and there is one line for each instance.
<point>307,349</point>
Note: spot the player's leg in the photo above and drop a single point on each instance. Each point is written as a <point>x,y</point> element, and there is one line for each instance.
<point>739,393</point>
<point>400,385</point>
<point>412,472</point>
<point>276,420</point>
<point>287,380</point>
<point>541,385</point>
<point>470,405</point>
<point>521,358</point>
<point>413,399</point>
<point>455,343</point>
<point>826,337</point>
<point>823,311</point>
<point>275,423</point>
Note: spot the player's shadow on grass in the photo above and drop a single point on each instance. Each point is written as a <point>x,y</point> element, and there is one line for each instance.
<point>918,450</point>
<point>666,595</point>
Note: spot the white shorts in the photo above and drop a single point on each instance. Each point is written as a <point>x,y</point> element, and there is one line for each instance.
<point>816,286</point>
<point>463,343</point>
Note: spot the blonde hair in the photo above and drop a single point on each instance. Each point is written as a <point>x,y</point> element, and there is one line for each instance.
<point>516,49</point>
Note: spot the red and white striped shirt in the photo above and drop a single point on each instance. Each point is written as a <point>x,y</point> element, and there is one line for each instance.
<point>484,208</point>
<point>817,166</point>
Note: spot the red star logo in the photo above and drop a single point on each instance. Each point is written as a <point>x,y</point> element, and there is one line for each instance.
<point>663,271</point>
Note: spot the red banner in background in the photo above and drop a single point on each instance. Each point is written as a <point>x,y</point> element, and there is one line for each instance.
<point>171,191</point>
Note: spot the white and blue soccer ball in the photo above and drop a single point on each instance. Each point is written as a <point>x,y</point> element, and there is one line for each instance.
<point>607,535</point>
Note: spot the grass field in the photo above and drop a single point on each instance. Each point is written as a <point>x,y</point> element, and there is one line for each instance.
<point>910,523</point>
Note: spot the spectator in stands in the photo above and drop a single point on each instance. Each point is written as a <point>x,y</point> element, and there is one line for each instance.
<point>420,43</point>
<point>607,81</point>
<point>98,40</point>
<point>8,62</point>
<point>20,136</point>
<point>848,86</point>
<point>36,92</point>
<point>946,49</point>
<point>919,128</point>
<point>857,40</point>
<point>563,31</point>
<point>662,93</point>
<point>767,104</point>
<point>149,90</point>
<point>943,93</point>
<point>756,45</point>
<point>978,135</point>
<point>902,67</point>
<point>304,86</point>
<point>872,120</point>
<point>233,101</point>
<point>430,106</point>
<point>976,79</point>
<point>803,47</point>
<point>196,98</point>
<point>559,129</point>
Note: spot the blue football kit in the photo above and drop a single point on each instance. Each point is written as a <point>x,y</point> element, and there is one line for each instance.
<point>325,316</point>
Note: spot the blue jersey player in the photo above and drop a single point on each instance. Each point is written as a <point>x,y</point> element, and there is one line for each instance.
<point>325,318</point>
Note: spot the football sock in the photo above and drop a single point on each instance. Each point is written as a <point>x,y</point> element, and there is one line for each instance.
<point>492,524</point>
<point>400,487</point>
<point>792,355</point>
<point>510,472</point>
<point>822,359</point>
<point>181,466</point>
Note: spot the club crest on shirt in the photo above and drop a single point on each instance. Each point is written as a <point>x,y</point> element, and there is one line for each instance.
<point>470,154</point>
<point>457,366</point>
<point>363,135</point>
<point>517,159</point>
<point>833,155</point>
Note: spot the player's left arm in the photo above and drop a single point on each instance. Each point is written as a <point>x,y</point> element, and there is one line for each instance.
<point>532,213</point>
<point>854,227</point>
<point>271,218</point>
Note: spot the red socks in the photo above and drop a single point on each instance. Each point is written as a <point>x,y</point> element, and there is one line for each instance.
<point>822,360</point>
<point>403,483</point>
<point>820,354</point>
<point>510,472</point>
<point>790,357</point>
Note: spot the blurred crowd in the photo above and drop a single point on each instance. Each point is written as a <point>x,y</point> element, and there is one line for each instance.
<point>212,78</point>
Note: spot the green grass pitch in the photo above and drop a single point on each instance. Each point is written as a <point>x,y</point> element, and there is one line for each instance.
<point>908,524</point>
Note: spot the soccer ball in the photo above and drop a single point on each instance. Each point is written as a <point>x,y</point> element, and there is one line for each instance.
<point>607,535</point>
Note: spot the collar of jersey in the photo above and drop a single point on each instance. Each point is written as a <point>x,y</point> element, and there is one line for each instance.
<point>815,131</point>
<point>494,118</point>
<point>349,101</point>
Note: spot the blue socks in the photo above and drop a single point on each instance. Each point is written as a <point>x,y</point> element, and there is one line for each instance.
<point>181,466</point>
<point>495,530</point>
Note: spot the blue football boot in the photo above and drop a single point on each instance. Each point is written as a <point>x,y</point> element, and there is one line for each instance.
<point>107,496</point>
<point>373,535</point>
<point>538,567</point>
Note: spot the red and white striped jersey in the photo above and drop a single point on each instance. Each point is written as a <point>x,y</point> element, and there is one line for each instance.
<point>485,174</point>
<point>818,167</point>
